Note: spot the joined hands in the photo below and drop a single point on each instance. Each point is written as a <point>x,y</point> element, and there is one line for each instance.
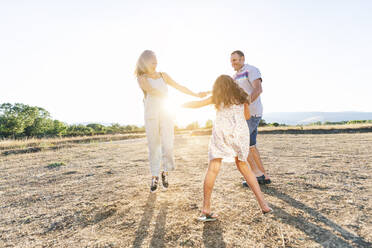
<point>203,94</point>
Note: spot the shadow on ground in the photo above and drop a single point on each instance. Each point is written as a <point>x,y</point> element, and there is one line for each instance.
<point>213,235</point>
<point>336,237</point>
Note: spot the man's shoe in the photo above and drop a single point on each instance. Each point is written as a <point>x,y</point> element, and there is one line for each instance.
<point>267,181</point>
<point>261,179</point>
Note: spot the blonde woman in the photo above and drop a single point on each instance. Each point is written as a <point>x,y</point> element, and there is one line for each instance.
<point>158,123</point>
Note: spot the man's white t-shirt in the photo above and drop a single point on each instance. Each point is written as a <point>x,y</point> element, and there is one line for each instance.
<point>244,78</point>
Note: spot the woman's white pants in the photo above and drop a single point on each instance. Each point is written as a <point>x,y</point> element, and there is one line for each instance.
<point>160,135</point>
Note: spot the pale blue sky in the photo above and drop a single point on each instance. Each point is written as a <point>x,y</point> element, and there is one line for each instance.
<point>76,58</point>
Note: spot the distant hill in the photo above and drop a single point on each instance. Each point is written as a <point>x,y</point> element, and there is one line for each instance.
<point>295,118</point>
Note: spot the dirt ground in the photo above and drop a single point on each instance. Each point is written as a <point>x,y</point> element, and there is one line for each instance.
<point>99,197</point>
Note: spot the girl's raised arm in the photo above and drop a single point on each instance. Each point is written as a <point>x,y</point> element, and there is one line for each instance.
<point>198,104</point>
<point>247,113</point>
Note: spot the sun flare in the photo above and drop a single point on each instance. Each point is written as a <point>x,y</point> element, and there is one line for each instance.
<point>184,116</point>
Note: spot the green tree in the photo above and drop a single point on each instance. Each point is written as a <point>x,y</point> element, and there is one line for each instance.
<point>23,120</point>
<point>59,129</point>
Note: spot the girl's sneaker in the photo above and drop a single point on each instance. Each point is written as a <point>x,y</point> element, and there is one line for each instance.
<point>154,184</point>
<point>164,179</point>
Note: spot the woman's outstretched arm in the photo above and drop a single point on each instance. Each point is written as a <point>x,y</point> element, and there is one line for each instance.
<point>181,88</point>
<point>146,86</point>
<point>198,104</point>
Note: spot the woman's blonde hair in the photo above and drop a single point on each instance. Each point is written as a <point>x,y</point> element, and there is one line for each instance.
<point>141,66</point>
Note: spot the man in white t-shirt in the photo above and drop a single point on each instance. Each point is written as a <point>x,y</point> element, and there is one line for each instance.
<point>249,78</point>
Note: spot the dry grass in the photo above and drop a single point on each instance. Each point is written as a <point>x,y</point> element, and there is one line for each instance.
<point>321,129</point>
<point>11,146</point>
<point>99,196</point>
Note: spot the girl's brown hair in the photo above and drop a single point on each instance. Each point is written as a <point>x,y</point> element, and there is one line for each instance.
<point>227,92</point>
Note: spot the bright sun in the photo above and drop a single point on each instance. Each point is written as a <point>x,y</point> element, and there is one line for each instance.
<point>172,106</point>
<point>185,116</point>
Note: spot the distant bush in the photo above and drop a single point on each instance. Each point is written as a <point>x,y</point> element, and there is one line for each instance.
<point>55,165</point>
<point>79,130</point>
<point>97,128</point>
<point>262,123</point>
<point>335,123</point>
<point>192,126</point>
<point>209,124</point>
<point>133,128</point>
<point>359,121</point>
<point>318,123</point>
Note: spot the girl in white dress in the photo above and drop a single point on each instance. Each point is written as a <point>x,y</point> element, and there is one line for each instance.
<point>230,139</point>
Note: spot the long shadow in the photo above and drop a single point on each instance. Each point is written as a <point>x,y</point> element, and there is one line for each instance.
<point>318,234</point>
<point>159,232</point>
<point>144,225</point>
<point>213,235</point>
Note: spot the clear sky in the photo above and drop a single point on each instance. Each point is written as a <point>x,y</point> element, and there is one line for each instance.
<point>76,58</point>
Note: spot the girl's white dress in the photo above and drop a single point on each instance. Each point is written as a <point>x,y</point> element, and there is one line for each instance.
<point>230,134</point>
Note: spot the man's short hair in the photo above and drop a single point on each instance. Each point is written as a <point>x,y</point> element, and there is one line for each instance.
<point>238,52</point>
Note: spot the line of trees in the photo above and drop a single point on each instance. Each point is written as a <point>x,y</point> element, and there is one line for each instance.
<point>319,123</point>
<point>21,120</point>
